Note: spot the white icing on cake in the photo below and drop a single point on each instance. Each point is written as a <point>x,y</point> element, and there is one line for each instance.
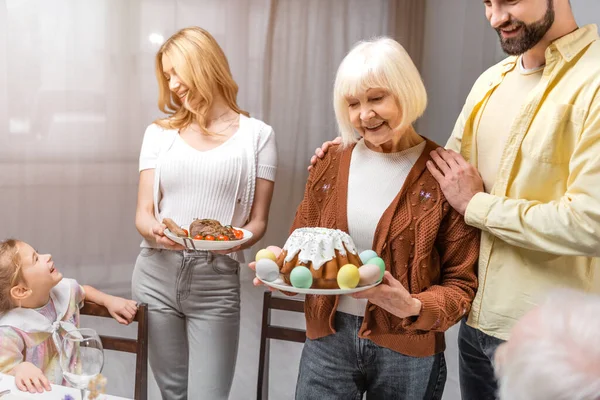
<point>317,245</point>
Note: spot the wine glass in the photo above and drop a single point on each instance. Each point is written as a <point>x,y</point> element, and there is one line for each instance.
<point>81,358</point>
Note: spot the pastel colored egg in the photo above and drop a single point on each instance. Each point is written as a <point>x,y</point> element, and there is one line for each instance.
<point>348,276</point>
<point>275,250</point>
<point>367,255</point>
<point>379,262</point>
<point>267,269</point>
<point>264,253</point>
<point>369,273</point>
<point>301,277</point>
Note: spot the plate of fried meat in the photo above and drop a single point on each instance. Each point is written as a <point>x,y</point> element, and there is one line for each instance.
<point>206,234</point>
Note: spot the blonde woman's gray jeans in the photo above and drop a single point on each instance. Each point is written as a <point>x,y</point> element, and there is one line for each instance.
<point>193,300</point>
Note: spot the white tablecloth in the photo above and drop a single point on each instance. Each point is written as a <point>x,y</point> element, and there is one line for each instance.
<point>57,393</point>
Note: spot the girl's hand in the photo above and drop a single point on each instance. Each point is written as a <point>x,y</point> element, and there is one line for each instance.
<point>158,234</point>
<point>30,378</point>
<point>122,310</point>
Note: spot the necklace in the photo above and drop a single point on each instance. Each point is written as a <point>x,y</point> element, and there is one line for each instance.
<point>219,117</point>
<point>227,127</point>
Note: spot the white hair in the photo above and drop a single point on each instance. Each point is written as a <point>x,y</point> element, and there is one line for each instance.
<point>378,63</point>
<point>558,357</point>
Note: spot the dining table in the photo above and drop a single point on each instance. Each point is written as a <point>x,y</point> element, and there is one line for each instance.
<point>58,392</point>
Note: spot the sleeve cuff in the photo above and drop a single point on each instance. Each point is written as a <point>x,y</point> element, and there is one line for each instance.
<point>266,172</point>
<point>80,296</point>
<point>428,319</point>
<point>478,210</point>
<point>147,164</point>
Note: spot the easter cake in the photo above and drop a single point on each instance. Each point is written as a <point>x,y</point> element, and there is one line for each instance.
<point>319,258</point>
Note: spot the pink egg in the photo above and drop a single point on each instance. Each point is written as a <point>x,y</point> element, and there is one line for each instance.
<point>369,273</point>
<point>275,250</point>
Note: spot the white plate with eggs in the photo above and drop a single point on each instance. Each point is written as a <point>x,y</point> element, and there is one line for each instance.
<point>354,279</point>
<point>279,284</point>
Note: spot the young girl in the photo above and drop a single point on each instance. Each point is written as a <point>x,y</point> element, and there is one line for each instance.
<point>37,307</point>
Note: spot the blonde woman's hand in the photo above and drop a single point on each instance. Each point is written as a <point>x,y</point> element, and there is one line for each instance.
<point>121,309</point>
<point>320,151</point>
<point>30,378</point>
<point>158,234</point>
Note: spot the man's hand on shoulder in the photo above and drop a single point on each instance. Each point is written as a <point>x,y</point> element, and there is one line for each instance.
<point>459,180</point>
<point>320,151</point>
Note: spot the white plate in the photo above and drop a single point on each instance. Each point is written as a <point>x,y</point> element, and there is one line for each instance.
<point>192,244</point>
<point>279,284</point>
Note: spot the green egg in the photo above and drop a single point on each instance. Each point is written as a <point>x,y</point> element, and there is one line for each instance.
<point>379,262</point>
<point>301,277</point>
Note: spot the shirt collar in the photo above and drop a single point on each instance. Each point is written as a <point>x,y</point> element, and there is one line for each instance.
<point>569,46</point>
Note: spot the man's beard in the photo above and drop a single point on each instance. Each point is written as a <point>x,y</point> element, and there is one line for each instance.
<point>530,34</point>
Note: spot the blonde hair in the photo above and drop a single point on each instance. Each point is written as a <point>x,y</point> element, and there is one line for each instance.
<point>378,63</point>
<point>201,65</point>
<point>10,272</point>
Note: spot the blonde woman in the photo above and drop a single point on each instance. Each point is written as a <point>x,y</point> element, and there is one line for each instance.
<point>387,342</point>
<point>206,159</point>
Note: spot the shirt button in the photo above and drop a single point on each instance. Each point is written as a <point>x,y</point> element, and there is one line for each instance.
<point>372,308</point>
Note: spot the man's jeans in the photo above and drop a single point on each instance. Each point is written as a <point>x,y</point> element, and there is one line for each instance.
<point>476,369</point>
<point>343,366</point>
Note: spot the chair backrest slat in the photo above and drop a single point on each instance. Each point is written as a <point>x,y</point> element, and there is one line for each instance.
<point>277,303</point>
<point>119,344</point>
<point>138,346</point>
<point>288,334</point>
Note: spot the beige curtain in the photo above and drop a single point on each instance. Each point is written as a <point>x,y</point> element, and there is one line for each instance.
<point>407,26</point>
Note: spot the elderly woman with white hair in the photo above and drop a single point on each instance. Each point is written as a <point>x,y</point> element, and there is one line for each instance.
<point>387,341</point>
<point>553,351</point>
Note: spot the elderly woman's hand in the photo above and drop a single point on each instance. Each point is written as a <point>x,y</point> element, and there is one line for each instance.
<point>392,297</point>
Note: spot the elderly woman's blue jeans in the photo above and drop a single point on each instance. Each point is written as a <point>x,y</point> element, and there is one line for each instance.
<point>343,366</point>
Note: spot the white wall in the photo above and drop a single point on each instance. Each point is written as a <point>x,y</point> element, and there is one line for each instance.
<point>459,45</point>
<point>586,11</point>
